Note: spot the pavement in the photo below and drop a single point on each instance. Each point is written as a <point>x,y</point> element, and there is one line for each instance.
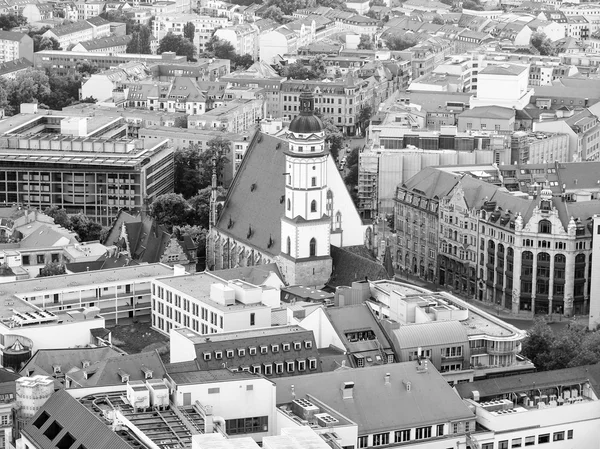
<point>556,321</point>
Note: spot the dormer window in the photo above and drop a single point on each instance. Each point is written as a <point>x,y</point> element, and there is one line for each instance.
<point>241,352</point>
<point>286,346</point>
<point>297,345</point>
<point>56,369</point>
<point>207,356</point>
<point>275,348</point>
<point>85,364</point>
<point>123,375</point>
<point>218,355</point>
<point>264,349</point>
<point>147,372</point>
<point>230,353</point>
<point>252,350</point>
<point>308,344</point>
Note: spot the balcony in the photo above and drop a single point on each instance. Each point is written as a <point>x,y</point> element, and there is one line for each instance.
<point>479,350</point>
<point>502,351</point>
<point>452,357</point>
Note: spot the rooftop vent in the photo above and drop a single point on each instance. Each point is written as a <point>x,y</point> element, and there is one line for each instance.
<point>348,390</point>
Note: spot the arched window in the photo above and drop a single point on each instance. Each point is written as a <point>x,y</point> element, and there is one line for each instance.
<point>313,247</point>
<point>289,204</point>
<point>289,246</point>
<point>491,244</point>
<point>543,257</point>
<point>560,258</point>
<point>544,227</point>
<point>527,255</point>
<point>338,220</point>
<point>313,206</point>
<point>580,258</point>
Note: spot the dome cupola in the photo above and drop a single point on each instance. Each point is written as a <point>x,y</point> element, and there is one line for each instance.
<point>306,122</point>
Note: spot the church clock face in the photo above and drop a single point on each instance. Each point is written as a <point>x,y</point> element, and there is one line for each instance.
<point>306,106</point>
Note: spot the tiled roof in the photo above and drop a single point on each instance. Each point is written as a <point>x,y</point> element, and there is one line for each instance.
<point>374,406</point>
<point>261,342</point>
<point>106,42</point>
<point>492,112</point>
<point>430,334</point>
<point>254,275</point>
<point>258,208</point>
<point>14,66</point>
<point>106,372</point>
<point>43,361</point>
<point>70,28</point>
<point>85,428</point>
<point>503,69</point>
<point>11,36</point>
<point>97,21</point>
<point>349,267</point>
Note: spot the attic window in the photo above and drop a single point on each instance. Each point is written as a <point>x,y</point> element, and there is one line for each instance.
<point>252,350</point>
<point>85,364</point>
<point>123,375</point>
<point>275,348</point>
<point>308,344</point>
<point>41,420</point>
<point>297,345</point>
<point>264,349</point>
<point>218,355</point>
<point>56,369</point>
<point>286,346</point>
<point>241,352</point>
<point>147,372</point>
<point>207,356</point>
<point>230,353</point>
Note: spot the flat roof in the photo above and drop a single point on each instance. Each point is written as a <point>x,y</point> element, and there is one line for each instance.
<point>210,376</point>
<point>198,286</point>
<point>196,338</point>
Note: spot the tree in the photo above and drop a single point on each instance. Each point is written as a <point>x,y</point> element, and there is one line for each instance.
<point>220,48</point>
<point>543,44</point>
<point>52,269</point>
<point>200,206</point>
<point>365,42</point>
<point>399,43</point>
<point>364,116</point>
<point>333,136</point>
<point>29,86</point>
<point>473,5</point>
<point>60,216</point>
<point>10,21</point>
<point>169,210</point>
<point>438,20</point>
<point>187,171</point>
<point>273,12</point>
<point>87,230</point>
<point>298,71</point>
<point>122,17</point>
<point>288,7</point>
<point>242,62</point>
<point>86,68</point>
<point>189,30</point>
<point>45,43</point>
<point>317,66</point>
<point>178,44</point>
<point>64,90</point>
<point>181,121</point>
<point>140,41</point>
<point>216,153</point>
<point>351,178</point>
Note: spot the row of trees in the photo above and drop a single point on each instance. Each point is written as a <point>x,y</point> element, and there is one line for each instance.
<point>222,49</point>
<point>573,346</point>
<point>46,88</point>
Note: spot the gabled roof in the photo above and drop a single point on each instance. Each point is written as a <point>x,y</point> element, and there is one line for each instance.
<point>492,112</point>
<point>65,30</point>
<point>97,21</point>
<point>432,182</point>
<point>109,371</point>
<point>233,341</point>
<point>254,275</point>
<point>350,266</point>
<point>14,66</point>
<point>11,36</point>
<point>379,407</point>
<point>48,235</point>
<point>106,42</point>
<point>85,428</point>
<point>43,361</point>
<point>257,208</point>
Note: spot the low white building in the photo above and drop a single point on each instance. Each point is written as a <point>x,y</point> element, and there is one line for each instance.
<point>504,85</point>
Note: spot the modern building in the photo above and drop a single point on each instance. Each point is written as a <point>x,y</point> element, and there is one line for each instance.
<point>208,304</point>
<point>15,46</point>
<point>92,168</point>
<point>504,85</point>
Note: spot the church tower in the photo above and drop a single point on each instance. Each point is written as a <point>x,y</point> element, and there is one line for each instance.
<point>305,226</point>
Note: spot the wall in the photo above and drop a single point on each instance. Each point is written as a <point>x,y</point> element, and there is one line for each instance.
<point>181,348</point>
<point>66,335</point>
<point>325,334</point>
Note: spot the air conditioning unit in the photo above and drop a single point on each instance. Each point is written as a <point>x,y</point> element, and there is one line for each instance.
<point>326,420</point>
<point>304,409</point>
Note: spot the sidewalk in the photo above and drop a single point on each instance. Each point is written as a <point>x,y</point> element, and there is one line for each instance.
<point>491,308</point>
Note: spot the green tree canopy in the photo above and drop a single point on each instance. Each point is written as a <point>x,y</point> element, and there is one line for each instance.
<point>178,44</point>
<point>170,210</point>
<point>200,206</point>
<point>10,21</point>
<point>189,30</point>
<point>87,230</point>
<point>399,43</point>
<point>60,216</point>
<point>364,116</point>
<point>52,269</point>
<point>45,43</point>
<point>273,12</point>
<point>140,42</point>
<point>543,44</point>
<point>217,152</point>
<point>366,43</point>
<point>187,171</point>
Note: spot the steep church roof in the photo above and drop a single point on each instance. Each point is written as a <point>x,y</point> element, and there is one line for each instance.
<point>253,207</point>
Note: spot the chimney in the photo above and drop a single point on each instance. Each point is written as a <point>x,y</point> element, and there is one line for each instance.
<point>348,390</point>
<point>387,378</point>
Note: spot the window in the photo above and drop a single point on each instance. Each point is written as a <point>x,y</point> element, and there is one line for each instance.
<point>241,352</point>
<point>529,441</point>
<point>264,349</point>
<point>313,206</point>
<point>569,434</point>
<point>286,347</point>
<point>41,420</point>
<point>516,442</point>
<point>252,350</point>
<point>423,432</point>
<point>558,436</point>
<point>312,363</point>
<point>363,442</point>
<point>503,444</point>
<point>207,356</point>
<point>313,247</point>
<point>214,390</point>
<point>290,366</point>
<point>25,260</point>
<point>230,353</point>
<point>247,425</point>
<point>268,369</point>
<point>218,355</point>
<point>301,365</point>
<point>279,368</point>
<point>41,259</point>
<point>308,344</point>
<point>289,246</point>
<point>297,345</point>
<point>545,227</point>
<point>380,439</point>
<point>275,348</point>
<point>487,446</point>
<point>440,430</point>
<point>252,319</point>
<point>545,438</point>
<point>401,436</point>
<point>313,181</point>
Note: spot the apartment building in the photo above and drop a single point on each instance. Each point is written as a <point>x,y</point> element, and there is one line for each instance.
<point>89,8</point>
<point>236,116</point>
<point>14,46</point>
<point>208,304</point>
<point>519,248</point>
<point>244,38</point>
<point>92,168</point>
<point>112,45</point>
<point>205,26</point>
<point>84,30</point>
<point>341,100</point>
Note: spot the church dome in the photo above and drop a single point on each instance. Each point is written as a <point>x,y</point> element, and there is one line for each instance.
<point>306,122</point>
